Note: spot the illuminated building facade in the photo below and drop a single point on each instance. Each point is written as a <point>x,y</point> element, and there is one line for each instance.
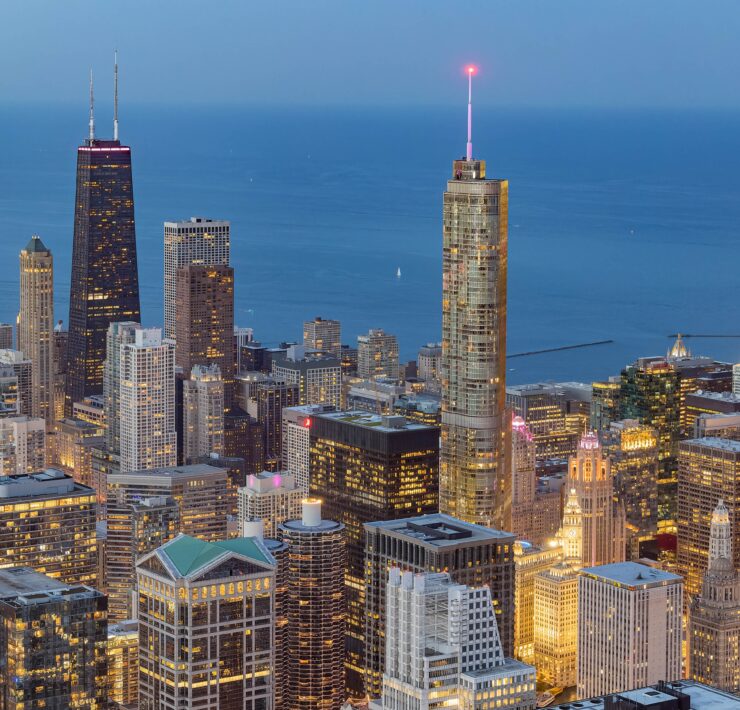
<point>53,639</point>
<point>204,329</point>
<point>471,554</point>
<point>20,391</point>
<point>708,471</point>
<point>59,365</point>
<point>22,445</point>
<point>629,627</point>
<point>548,511</point>
<point>296,447</point>
<point>377,355</point>
<point>197,241</point>
<point>272,497</point>
<point>47,522</point>
<point>420,408</point>
<point>118,334</point>
<point>723,426</point>
<point>203,403</point>
<point>123,663</point>
<point>605,405</point>
<point>443,649</point>
<point>271,398</point>
<point>104,287</point>
<point>523,479</point>
<point>711,403</point>
<point>315,610</point>
<point>323,335</point>
<point>36,323</point>
<point>186,657</point>
<point>367,468</point>
<point>318,376</point>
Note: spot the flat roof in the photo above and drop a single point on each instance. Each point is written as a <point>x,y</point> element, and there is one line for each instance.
<point>18,581</point>
<point>369,420</point>
<point>715,442</point>
<point>440,530</point>
<point>631,574</point>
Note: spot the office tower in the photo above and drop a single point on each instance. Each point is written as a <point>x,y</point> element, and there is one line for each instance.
<point>147,402</point>
<point>22,369</point>
<point>589,473</point>
<point>713,632</point>
<point>443,649</point>
<point>70,437</point>
<point>272,497</point>
<point>632,449</point>
<point>529,561</point>
<point>722,426</point>
<point>324,335</point>
<point>377,355</point>
<point>244,437</point>
<point>367,468</point>
<point>203,402</point>
<point>200,491</point>
<point>53,639</point>
<point>134,529</point>
<point>59,368</point>
<point>204,329</point>
<point>296,446</point>
<point>271,397</point>
<point>708,471</point>
<point>123,663</point>
<point>605,404</point>
<point>523,479</point>
<point>36,323</point>
<point>186,658</point>
<point>676,695</point>
<point>242,338</point>
<point>555,603</point>
<point>629,627</point>
<point>548,510</point>
<point>6,336</point>
<point>118,334</point>
<point>318,376</point>
<point>315,609</point>
<point>104,287</point>
<point>22,445</point>
<point>429,365</point>
<point>198,241</point>
<point>472,554</point>
<point>58,539</point>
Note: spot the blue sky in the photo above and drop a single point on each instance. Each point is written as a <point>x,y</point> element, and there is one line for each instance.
<point>658,53</point>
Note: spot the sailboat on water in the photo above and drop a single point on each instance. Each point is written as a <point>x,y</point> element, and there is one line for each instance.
<point>398,273</point>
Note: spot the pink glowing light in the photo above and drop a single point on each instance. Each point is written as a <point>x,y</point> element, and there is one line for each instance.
<point>589,441</point>
<point>307,422</point>
<point>278,479</point>
<point>471,69</point>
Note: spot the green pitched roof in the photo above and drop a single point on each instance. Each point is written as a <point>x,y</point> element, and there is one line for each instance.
<point>189,554</point>
<point>36,245</point>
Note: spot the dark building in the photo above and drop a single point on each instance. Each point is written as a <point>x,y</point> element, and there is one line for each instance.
<point>244,438</point>
<point>270,399</point>
<point>368,468</point>
<point>104,287</point>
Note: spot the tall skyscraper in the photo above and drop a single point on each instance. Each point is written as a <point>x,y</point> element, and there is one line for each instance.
<point>204,328</point>
<point>474,483</point>
<point>324,335</point>
<point>713,632</point>
<point>443,649</point>
<point>315,609</point>
<point>271,398</point>
<point>118,334</point>
<point>186,657</point>
<point>629,627</point>
<point>296,448</point>
<point>523,484</point>
<point>59,367</point>
<point>53,643</point>
<point>429,363</point>
<point>104,287</point>
<point>36,323</point>
<point>203,404</point>
<point>192,241</point>
<point>377,355</point>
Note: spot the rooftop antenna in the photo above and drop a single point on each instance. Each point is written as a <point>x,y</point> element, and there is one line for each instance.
<point>92,114</point>
<point>471,71</point>
<point>115,95</point>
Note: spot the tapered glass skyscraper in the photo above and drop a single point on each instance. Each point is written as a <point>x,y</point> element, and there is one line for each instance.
<point>104,288</point>
<point>474,478</point>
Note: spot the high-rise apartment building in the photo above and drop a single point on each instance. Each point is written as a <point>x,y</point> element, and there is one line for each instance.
<point>629,627</point>
<point>523,479</point>
<point>47,522</point>
<point>118,334</point>
<point>203,404</point>
<point>736,379</point>
<point>296,448</point>
<point>104,287</point>
<point>200,491</point>
<point>367,468</point>
<point>147,402</point>
<point>271,497</point>
<point>377,355</point>
<point>473,555</point>
<point>20,392</point>
<point>206,616</point>
<point>713,631</point>
<point>123,664</point>
<point>36,323</point>
<point>22,445</point>
<point>429,364</point>
<point>53,640</point>
<point>315,610</point>
<point>198,241</point>
<point>59,368</point>
<point>204,329</point>
<point>323,335</point>
<point>318,376</point>
<point>133,529</point>
<point>443,649</point>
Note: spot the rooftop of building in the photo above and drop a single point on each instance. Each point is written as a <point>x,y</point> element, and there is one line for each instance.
<point>440,530</point>
<point>196,469</point>
<point>43,484</point>
<point>631,574</point>
<point>715,442</point>
<point>269,481</point>
<point>194,221</point>
<point>509,666</point>
<point>573,389</point>
<point>25,586</point>
<point>380,422</point>
<point>717,396</point>
<point>36,246</point>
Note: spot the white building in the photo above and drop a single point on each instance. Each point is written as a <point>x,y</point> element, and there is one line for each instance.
<point>629,627</point>
<point>736,379</point>
<point>203,405</point>
<point>22,445</point>
<point>443,649</point>
<point>297,439</point>
<point>272,497</point>
<point>118,334</point>
<point>147,402</point>
<point>377,355</point>
<point>194,241</point>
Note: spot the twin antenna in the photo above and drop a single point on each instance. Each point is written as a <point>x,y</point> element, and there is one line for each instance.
<point>115,101</point>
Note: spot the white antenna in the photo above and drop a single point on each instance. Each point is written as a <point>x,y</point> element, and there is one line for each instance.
<point>115,95</point>
<point>469,152</point>
<point>92,114</point>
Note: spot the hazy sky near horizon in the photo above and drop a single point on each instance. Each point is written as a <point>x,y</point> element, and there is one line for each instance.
<point>653,53</point>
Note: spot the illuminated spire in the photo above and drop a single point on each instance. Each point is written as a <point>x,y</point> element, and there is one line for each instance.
<point>92,113</point>
<point>720,537</point>
<point>469,152</point>
<point>115,95</point>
